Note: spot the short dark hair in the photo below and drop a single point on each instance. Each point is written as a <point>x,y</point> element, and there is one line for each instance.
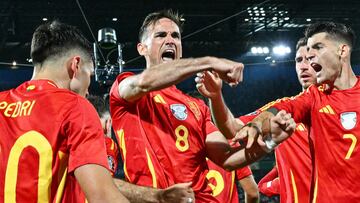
<point>300,43</point>
<point>54,38</point>
<point>99,103</point>
<point>336,31</point>
<point>152,18</point>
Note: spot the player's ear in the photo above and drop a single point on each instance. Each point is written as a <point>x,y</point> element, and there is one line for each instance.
<point>73,66</point>
<point>344,50</point>
<point>142,48</point>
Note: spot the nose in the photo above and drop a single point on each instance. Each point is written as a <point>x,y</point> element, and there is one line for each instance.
<point>169,39</point>
<point>304,65</point>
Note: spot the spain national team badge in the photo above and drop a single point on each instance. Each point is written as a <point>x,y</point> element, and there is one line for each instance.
<point>195,109</point>
<point>179,111</point>
<point>348,120</point>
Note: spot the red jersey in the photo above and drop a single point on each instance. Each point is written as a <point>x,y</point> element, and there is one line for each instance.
<point>113,156</point>
<point>223,183</point>
<point>293,160</point>
<point>162,138</point>
<point>332,117</point>
<point>269,185</point>
<point>47,132</point>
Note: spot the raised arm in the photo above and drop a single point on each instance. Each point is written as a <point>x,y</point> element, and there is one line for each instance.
<point>170,73</point>
<point>209,84</point>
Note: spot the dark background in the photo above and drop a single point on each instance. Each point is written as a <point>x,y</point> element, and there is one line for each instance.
<point>223,28</point>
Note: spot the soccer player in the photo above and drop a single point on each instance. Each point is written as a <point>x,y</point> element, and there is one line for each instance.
<point>165,135</point>
<point>49,131</point>
<point>293,158</point>
<point>329,110</point>
<point>52,137</point>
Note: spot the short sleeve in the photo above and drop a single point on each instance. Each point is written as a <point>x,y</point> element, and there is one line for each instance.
<point>85,138</point>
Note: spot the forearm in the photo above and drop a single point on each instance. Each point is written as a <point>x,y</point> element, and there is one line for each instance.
<point>167,74</point>
<point>239,158</point>
<point>138,194</point>
<point>161,76</point>
<point>250,188</point>
<point>223,117</point>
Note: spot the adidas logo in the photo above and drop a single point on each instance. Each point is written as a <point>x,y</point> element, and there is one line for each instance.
<point>159,99</point>
<point>327,109</point>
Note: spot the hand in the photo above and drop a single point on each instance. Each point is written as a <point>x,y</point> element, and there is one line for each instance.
<point>178,193</point>
<point>208,84</point>
<point>229,71</point>
<point>281,127</point>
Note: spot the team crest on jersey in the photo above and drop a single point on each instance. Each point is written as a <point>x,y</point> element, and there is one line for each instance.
<point>195,109</point>
<point>179,111</point>
<point>348,120</point>
<point>111,162</point>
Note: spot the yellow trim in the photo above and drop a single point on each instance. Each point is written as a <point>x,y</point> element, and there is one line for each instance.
<point>62,175</point>
<point>152,169</point>
<point>232,184</point>
<point>112,145</point>
<point>315,189</point>
<point>293,182</point>
<point>121,139</point>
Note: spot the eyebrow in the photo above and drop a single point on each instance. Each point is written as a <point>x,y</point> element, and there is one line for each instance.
<point>314,45</point>
<point>299,57</point>
<point>164,32</point>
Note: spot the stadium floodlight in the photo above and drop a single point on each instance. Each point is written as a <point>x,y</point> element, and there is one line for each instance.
<point>281,50</point>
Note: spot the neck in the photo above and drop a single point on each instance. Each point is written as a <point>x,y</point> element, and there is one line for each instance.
<point>60,79</point>
<point>346,79</point>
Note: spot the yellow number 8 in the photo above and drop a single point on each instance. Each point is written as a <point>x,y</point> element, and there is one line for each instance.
<point>182,134</point>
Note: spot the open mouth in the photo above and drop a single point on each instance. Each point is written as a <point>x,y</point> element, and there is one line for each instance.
<point>304,76</point>
<point>317,67</point>
<point>168,55</point>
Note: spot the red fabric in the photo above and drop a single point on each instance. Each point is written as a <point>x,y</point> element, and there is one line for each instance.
<point>292,157</point>
<point>152,131</point>
<point>222,183</point>
<point>335,175</point>
<point>269,185</point>
<point>243,172</point>
<point>46,131</point>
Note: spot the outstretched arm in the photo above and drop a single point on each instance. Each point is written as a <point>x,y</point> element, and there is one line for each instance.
<point>209,84</point>
<point>178,193</point>
<point>170,73</point>
<point>277,128</point>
